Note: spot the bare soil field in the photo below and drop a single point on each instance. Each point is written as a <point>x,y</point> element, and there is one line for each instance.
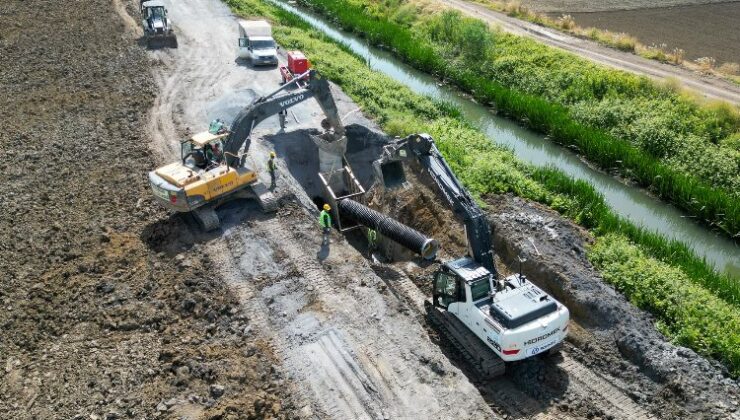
<point>98,319</point>
<point>706,30</point>
<point>603,5</point>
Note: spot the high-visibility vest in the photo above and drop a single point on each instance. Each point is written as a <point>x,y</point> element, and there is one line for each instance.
<point>271,164</point>
<point>325,219</point>
<point>372,236</point>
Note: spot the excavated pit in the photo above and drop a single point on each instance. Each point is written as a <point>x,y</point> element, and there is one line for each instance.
<point>301,155</point>
<point>364,146</point>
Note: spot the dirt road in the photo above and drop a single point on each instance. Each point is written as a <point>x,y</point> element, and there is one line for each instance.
<point>707,86</point>
<point>603,5</point>
<point>350,350</point>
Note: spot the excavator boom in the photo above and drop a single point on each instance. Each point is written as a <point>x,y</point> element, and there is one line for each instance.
<point>269,105</point>
<point>198,184</point>
<point>477,228</point>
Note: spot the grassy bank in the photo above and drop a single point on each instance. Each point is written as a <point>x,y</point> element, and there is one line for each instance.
<point>684,152</point>
<point>485,168</point>
<point>697,318</point>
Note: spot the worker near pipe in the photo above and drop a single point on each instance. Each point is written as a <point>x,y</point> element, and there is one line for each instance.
<point>272,167</point>
<point>325,222</point>
<point>372,241</point>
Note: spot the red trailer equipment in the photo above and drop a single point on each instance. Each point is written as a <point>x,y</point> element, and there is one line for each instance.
<point>297,65</point>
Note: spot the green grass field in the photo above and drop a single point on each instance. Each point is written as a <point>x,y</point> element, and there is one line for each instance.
<point>487,169</point>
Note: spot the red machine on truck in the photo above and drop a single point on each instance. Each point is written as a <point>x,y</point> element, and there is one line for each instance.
<point>297,64</point>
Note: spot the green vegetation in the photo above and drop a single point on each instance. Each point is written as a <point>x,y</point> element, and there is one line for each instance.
<point>487,169</point>
<point>688,313</point>
<point>626,124</point>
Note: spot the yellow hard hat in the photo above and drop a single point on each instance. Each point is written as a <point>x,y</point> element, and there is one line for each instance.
<point>272,154</point>
<point>327,207</point>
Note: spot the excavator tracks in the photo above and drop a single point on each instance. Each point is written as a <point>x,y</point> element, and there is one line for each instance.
<point>267,200</point>
<point>503,394</point>
<point>485,362</point>
<point>207,218</point>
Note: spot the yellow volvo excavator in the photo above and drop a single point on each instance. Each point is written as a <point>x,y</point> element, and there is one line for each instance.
<point>212,167</point>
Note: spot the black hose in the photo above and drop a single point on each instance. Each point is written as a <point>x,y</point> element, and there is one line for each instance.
<point>390,228</point>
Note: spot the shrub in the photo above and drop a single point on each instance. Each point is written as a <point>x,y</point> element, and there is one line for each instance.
<point>566,22</point>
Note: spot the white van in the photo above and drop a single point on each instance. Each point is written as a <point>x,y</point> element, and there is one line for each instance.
<point>256,43</point>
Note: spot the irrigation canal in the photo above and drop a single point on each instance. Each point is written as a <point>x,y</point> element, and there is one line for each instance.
<point>629,202</point>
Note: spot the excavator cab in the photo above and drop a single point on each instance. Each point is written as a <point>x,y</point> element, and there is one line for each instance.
<point>447,289</point>
<point>203,150</point>
<point>451,279</point>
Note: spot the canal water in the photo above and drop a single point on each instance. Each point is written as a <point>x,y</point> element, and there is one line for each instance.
<point>629,202</point>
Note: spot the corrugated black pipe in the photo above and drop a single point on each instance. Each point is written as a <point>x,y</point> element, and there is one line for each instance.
<point>390,228</point>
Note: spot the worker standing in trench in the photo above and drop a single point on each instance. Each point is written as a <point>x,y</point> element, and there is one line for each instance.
<point>325,222</point>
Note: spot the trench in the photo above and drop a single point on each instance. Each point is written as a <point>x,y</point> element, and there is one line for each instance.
<point>631,203</point>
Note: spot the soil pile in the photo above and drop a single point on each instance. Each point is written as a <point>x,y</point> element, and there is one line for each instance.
<point>107,309</point>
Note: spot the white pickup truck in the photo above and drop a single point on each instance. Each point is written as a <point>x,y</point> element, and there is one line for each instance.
<point>256,43</point>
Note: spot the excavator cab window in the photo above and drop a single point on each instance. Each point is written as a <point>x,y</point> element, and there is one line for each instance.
<point>186,147</point>
<point>447,289</point>
<point>193,156</point>
<point>157,11</point>
<point>480,289</point>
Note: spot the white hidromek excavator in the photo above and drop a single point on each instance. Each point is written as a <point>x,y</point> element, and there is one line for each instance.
<point>510,318</point>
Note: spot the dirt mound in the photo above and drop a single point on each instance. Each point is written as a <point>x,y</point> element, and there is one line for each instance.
<point>421,209</point>
<point>96,321</point>
<point>616,338</point>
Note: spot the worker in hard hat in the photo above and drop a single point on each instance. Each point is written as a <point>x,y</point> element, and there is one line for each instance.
<point>325,222</point>
<point>272,167</point>
<point>217,127</point>
<point>372,241</point>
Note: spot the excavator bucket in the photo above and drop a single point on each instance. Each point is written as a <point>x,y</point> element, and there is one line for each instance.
<point>393,174</point>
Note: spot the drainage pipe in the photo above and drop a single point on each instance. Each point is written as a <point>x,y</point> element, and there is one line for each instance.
<point>389,227</point>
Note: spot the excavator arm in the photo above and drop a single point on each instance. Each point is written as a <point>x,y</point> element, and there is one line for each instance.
<point>477,228</point>
<point>269,105</point>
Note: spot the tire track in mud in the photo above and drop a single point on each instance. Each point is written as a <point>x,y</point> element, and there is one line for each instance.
<point>328,350</point>
<point>347,363</point>
<point>588,382</point>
